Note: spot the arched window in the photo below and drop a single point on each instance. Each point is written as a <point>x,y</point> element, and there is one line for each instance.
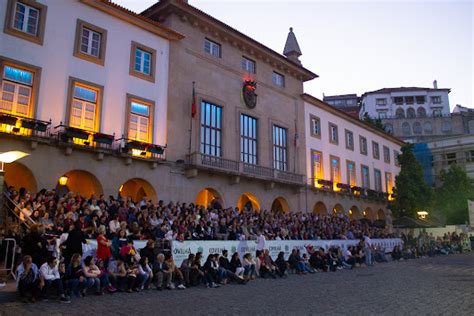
<point>421,112</point>
<point>446,127</point>
<point>428,128</point>
<point>400,113</point>
<point>411,113</point>
<point>417,128</point>
<point>406,128</point>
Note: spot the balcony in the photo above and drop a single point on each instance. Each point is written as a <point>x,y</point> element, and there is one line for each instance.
<point>140,150</point>
<point>349,190</point>
<point>238,168</point>
<point>24,127</point>
<point>76,137</point>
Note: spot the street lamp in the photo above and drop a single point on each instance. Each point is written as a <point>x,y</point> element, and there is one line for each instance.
<point>7,157</point>
<point>422,214</point>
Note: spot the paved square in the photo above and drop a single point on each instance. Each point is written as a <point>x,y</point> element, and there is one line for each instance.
<point>431,286</point>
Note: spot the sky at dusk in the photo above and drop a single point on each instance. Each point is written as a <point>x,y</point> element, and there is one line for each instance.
<point>359,46</point>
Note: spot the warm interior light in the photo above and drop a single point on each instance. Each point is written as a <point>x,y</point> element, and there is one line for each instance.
<point>422,214</point>
<point>335,187</point>
<point>63,180</point>
<point>365,213</point>
<point>121,188</point>
<point>350,212</point>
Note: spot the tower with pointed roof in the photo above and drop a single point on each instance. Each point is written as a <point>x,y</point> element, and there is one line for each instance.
<point>292,50</point>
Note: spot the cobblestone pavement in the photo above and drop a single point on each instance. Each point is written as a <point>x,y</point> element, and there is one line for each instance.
<point>430,286</point>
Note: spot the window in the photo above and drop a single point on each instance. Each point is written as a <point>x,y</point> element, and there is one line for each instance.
<point>389,128</point>
<point>437,113</point>
<point>398,100</point>
<point>349,140</point>
<point>388,183</point>
<point>420,99</point>
<point>351,173</point>
<point>212,48</point>
<point>248,65</point>
<point>381,102</point>
<point>411,113</point>
<point>382,115</point>
<point>409,100</point>
<point>140,119</point>
<point>428,128</point>
<point>248,139</point>
<point>378,180</point>
<point>333,134</point>
<point>280,160</point>
<point>446,127</point>
<point>363,145</point>
<point>315,125</point>
<point>84,107</point>
<point>211,118</point>
<point>375,150</point>
<point>400,113</point>
<point>436,99</point>
<point>417,128</point>
<point>26,19</point>
<point>278,79</point>
<point>142,62</point>
<point>470,156</point>
<point>365,177</point>
<point>451,158</point>
<point>406,129</point>
<point>386,154</point>
<point>90,42</point>
<point>17,91</point>
<point>395,158</point>
<point>335,169</point>
<point>317,166</point>
<point>421,112</point>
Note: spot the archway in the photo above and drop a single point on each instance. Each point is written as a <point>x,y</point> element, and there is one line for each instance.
<point>354,213</point>
<point>400,113</point>
<point>280,205</point>
<point>209,197</point>
<point>320,209</point>
<point>80,181</point>
<point>411,113</point>
<point>380,214</point>
<point>338,209</point>
<point>137,189</point>
<point>248,201</point>
<point>421,112</point>
<point>368,213</point>
<point>19,176</point>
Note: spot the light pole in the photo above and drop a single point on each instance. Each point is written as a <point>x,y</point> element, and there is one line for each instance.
<point>7,157</point>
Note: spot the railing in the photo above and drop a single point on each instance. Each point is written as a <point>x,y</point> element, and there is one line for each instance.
<point>9,244</point>
<point>80,137</point>
<point>138,149</point>
<point>22,126</point>
<point>14,209</point>
<point>242,168</point>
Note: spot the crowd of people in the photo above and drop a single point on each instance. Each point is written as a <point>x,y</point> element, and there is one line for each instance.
<point>51,251</point>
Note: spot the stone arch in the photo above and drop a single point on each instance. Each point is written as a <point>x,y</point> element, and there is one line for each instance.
<point>354,213</point>
<point>280,205</point>
<point>137,189</point>
<point>368,213</point>
<point>411,113</point>
<point>417,128</point>
<point>381,214</point>
<point>406,130</point>
<point>20,176</point>
<point>82,182</point>
<point>338,209</point>
<point>400,113</point>
<point>320,208</point>
<point>209,197</point>
<point>421,112</point>
<point>249,201</point>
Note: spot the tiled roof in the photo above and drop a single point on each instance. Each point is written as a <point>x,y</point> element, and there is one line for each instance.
<point>404,89</point>
<point>338,97</point>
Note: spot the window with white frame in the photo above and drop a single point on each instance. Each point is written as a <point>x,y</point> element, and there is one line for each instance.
<point>17,88</point>
<point>381,101</point>
<point>335,169</point>
<point>84,107</point>
<point>139,122</point>
<point>351,173</point>
<point>378,180</point>
<point>26,19</point>
<point>212,48</point>
<point>333,134</point>
<point>90,42</point>
<point>375,150</point>
<point>248,65</point>
<point>363,145</point>
<point>386,154</point>
<point>349,140</point>
<point>365,177</point>
<point>315,125</point>
<point>278,79</point>
<point>142,61</point>
<point>317,166</point>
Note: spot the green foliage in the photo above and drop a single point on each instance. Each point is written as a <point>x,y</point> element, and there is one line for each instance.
<point>412,192</point>
<point>451,197</point>
<point>377,123</point>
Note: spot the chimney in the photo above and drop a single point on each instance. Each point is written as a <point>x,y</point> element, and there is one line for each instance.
<point>435,84</point>
<point>292,49</point>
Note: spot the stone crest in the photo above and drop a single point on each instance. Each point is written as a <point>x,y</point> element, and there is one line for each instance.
<point>248,93</point>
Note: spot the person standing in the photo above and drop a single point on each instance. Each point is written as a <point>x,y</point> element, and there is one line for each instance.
<point>368,250</point>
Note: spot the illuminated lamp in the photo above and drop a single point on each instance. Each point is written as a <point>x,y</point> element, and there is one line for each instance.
<point>350,212</point>
<point>365,213</point>
<point>11,156</point>
<point>63,180</point>
<point>422,214</point>
<point>121,188</point>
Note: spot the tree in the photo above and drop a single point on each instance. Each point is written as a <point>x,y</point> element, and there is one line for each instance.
<point>377,123</point>
<point>412,193</point>
<point>452,195</point>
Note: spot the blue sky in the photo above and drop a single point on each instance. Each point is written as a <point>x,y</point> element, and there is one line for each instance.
<point>358,46</point>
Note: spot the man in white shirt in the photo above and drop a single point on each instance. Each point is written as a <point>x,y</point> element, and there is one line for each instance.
<point>49,273</point>
<point>368,250</point>
<point>261,241</point>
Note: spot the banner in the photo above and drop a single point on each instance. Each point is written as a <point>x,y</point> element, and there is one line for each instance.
<point>182,249</point>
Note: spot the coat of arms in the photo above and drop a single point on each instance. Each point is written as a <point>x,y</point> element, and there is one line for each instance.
<point>248,93</point>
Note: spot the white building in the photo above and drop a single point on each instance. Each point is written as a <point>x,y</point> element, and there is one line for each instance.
<point>345,155</point>
<point>406,102</point>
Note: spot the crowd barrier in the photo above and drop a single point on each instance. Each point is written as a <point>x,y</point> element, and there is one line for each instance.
<point>181,249</point>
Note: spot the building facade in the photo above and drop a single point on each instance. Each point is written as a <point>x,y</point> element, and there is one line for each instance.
<point>349,103</point>
<point>171,104</point>
<point>349,160</point>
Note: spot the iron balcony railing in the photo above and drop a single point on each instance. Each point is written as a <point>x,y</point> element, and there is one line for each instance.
<point>23,126</point>
<point>241,168</point>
